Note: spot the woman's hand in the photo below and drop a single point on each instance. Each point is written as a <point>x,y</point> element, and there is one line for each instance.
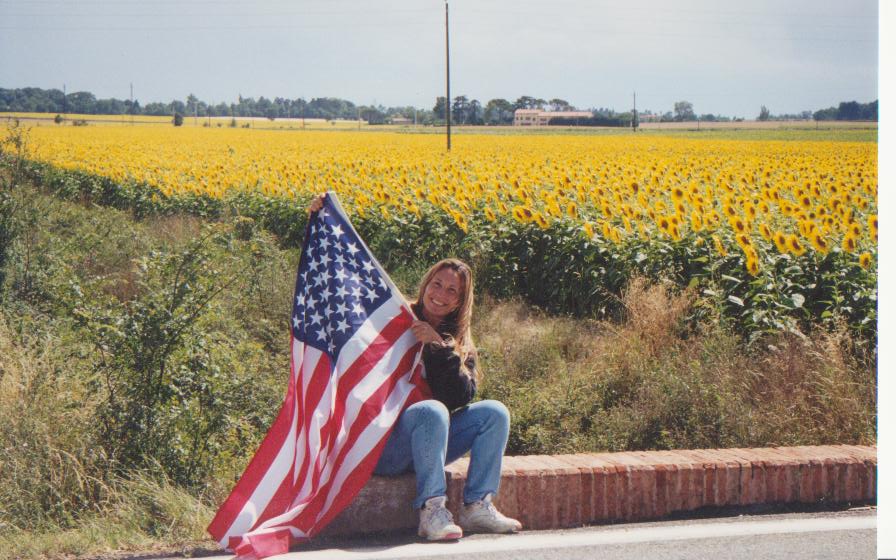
<point>316,203</point>
<point>425,333</point>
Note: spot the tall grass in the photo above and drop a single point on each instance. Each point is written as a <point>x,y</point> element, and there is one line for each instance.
<point>653,381</point>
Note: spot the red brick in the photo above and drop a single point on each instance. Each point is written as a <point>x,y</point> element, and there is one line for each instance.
<point>756,485</point>
<point>584,500</point>
<point>688,489</point>
<point>643,476</point>
<point>664,474</point>
<point>812,483</point>
<point>615,477</point>
<point>793,473</point>
<point>536,509</point>
<point>568,489</point>
<point>779,475</point>
<point>861,452</point>
<point>603,499</point>
<point>629,476</point>
<point>712,478</point>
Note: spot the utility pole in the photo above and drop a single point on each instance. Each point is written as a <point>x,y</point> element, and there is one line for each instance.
<point>447,81</point>
<point>132,103</point>
<point>634,113</point>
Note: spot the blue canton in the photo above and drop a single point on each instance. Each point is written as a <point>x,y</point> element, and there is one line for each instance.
<point>338,285</point>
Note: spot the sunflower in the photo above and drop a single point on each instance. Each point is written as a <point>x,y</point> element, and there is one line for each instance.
<point>794,245</point>
<point>540,220</point>
<point>752,265</point>
<point>865,260</point>
<point>872,225</point>
<point>696,221</point>
<point>589,230</point>
<point>522,214</point>
<point>719,247</point>
<point>849,243</point>
<point>490,214</point>
<point>818,241</point>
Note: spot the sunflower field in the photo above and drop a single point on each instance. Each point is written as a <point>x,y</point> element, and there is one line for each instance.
<point>778,235</point>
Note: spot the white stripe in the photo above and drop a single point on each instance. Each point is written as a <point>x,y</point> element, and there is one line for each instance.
<point>371,435</point>
<point>323,409</point>
<point>312,357</point>
<point>362,392</point>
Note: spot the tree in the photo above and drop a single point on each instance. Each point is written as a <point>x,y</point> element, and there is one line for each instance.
<point>439,109</point>
<point>475,113</point>
<point>498,111</point>
<point>460,109</point>
<point>849,111</point>
<point>560,105</point>
<point>764,113</point>
<point>684,111</point>
<point>178,119</point>
<point>525,102</point>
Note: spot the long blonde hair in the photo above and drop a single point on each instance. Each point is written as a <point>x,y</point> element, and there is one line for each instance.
<point>463,315</point>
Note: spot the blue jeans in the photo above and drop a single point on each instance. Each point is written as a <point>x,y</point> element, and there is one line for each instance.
<point>426,438</point>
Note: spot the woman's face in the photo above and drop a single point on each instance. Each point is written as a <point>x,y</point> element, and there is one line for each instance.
<point>442,295</point>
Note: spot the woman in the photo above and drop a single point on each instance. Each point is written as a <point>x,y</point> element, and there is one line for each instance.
<point>432,433</point>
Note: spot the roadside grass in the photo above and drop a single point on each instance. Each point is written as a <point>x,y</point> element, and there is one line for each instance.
<point>77,274</point>
<point>654,381</point>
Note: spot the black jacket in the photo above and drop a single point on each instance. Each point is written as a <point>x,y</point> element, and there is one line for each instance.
<point>449,385</point>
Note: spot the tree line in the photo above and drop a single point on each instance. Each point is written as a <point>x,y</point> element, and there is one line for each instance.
<point>464,110</point>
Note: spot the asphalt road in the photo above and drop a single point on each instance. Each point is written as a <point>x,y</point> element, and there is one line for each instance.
<point>835,535</point>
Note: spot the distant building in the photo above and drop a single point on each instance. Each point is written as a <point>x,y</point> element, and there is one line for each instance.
<point>398,119</point>
<point>537,117</point>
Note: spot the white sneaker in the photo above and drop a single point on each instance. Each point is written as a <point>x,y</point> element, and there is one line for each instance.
<point>482,517</point>
<point>436,522</point>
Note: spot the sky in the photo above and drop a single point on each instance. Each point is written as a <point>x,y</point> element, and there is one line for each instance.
<point>725,57</point>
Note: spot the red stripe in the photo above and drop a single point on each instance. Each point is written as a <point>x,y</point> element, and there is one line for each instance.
<point>259,465</point>
<point>321,371</point>
<point>353,375</point>
<point>306,520</point>
<point>353,483</point>
<point>356,372</point>
<point>320,379</point>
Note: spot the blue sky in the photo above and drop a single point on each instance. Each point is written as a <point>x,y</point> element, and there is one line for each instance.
<point>726,58</point>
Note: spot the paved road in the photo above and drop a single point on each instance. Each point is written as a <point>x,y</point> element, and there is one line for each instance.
<point>834,535</point>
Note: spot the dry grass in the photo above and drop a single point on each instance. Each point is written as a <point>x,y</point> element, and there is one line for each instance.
<point>652,382</point>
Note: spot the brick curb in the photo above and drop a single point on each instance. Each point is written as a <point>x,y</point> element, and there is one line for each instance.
<point>548,492</point>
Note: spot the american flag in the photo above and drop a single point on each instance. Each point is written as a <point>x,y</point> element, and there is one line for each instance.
<point>355,365</point>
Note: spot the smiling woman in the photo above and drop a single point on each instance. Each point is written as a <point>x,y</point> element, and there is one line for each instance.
<point>433,432</point>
